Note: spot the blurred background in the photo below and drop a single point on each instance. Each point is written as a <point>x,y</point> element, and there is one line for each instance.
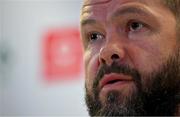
<point>41,69</point>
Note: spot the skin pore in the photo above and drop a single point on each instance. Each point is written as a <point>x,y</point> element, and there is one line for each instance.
<point>135,41</point>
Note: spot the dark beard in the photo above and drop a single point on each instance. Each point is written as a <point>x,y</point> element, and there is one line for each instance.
<point>162,96</point>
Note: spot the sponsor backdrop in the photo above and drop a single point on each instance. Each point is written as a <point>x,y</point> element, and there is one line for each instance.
<point>41,69</point>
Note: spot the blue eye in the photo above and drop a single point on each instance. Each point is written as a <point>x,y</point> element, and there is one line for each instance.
<point>95,36</point>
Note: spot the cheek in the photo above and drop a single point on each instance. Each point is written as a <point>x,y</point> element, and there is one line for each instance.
<point>150,54</point>
<point>91,67</point>
<point>146,57</point>
<point>156,52</point>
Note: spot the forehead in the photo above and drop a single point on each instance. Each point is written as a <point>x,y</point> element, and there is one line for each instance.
<point>105,7</point>
<point>91,2</point>
<point>107,3</point>
<point>96,2</point>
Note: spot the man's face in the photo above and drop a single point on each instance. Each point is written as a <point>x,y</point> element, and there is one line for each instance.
<point>130,53</point>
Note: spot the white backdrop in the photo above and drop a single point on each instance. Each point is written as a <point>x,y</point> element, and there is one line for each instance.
<point>24,92</point>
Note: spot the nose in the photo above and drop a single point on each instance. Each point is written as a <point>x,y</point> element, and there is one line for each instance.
<point>110,54</point>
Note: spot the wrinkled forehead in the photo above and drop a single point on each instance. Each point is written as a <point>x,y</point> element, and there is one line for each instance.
<point>102,7</point>
<point>92,2</point>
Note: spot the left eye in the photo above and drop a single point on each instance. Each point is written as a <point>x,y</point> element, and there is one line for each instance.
<point>135,26</point>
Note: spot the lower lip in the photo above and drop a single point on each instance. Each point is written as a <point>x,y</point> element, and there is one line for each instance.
<point>116,86</point>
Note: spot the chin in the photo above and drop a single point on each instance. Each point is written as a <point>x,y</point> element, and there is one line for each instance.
<point>117,104</point>
<point>121,95</point>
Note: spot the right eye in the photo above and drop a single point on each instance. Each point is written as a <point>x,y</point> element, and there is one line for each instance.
<point>94,36</point>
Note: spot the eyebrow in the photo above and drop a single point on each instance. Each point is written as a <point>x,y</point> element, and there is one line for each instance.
<point>131,10</point>
<point>88,21</point>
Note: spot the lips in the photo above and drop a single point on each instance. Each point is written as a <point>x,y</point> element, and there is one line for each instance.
<point>114,78</point>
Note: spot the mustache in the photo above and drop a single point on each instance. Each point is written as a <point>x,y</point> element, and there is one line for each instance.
<point>116,68</point>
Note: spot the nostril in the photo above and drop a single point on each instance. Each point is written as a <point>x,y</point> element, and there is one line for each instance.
<point>103,61</point>
<point>115,56</point>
